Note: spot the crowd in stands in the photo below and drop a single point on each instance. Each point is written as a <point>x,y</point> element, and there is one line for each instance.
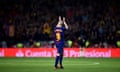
<point>92,23</point>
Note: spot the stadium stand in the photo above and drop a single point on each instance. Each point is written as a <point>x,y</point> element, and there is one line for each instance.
<point>96,22</point>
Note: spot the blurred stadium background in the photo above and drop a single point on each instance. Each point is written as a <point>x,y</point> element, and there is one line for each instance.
<point>91,44</point>
<point>28,21</point>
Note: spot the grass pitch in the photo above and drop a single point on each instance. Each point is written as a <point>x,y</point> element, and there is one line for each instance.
<point>70,65</point>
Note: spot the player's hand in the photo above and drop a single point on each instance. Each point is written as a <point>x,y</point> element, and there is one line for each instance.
<point>60,18</point>
<point>63,19</point>
<point>66,26</point>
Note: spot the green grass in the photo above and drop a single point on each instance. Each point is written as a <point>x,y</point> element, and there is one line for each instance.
<point>70,65</point>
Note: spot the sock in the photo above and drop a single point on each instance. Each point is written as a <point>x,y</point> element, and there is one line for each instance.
<point>56,61</point>
<point>61,58</point>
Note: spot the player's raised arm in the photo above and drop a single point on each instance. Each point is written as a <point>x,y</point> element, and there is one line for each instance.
<point>60,22</point>
<point>66,26</point>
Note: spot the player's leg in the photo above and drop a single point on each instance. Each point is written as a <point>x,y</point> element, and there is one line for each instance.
<point>61,58</point>
<point>57,56</point>
<point>57,60</point>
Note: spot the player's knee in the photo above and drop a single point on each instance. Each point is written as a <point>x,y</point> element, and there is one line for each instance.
<point>58,54</point>
<point>61,55</point>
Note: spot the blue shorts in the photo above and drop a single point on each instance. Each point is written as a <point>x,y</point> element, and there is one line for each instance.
<point>60,48</point>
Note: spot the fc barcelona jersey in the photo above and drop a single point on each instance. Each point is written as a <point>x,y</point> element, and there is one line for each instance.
<point>59,34</point>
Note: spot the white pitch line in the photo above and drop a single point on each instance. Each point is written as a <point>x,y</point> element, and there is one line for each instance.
<point>94,63</point>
